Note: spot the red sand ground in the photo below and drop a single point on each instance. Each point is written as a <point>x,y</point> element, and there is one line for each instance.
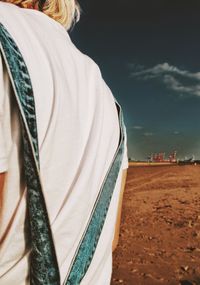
<point>160,229</point>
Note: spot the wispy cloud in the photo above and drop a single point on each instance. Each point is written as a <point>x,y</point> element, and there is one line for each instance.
<point>148,134</point>
<point>174,78</point>
<point>176,133</point>
<point>137,127</point>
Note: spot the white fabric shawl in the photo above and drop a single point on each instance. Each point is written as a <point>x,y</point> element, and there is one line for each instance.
<point>78,134</point>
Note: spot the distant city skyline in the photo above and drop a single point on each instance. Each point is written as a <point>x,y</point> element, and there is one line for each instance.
<point>148,52</point>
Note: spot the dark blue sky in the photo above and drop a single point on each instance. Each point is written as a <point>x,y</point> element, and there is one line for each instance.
<point>148,52</point>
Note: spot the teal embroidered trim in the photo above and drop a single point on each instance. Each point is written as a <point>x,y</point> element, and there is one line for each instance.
<point>87,247</point>
<point>43,262</point>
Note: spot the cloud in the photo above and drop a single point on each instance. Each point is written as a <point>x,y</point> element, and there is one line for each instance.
<point>173,84</point>
<point>147,134</point>
<point>137,127</point>
<point>176,133</point>
<point>176,79</point>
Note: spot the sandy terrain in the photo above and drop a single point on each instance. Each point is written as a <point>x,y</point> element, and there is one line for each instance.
<point>160,230</point>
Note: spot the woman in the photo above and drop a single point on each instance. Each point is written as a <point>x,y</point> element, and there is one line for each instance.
<point>63,156</point>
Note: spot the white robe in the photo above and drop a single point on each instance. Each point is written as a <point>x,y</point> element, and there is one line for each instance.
<point>78,132</point>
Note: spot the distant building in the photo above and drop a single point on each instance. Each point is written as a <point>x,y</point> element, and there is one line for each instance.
<point>173,157</point>
<point>160,157</point>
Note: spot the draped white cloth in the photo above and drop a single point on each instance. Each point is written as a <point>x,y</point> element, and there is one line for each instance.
<point>78,132</point>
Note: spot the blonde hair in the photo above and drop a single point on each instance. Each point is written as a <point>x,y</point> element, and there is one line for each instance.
<point>66,12</point>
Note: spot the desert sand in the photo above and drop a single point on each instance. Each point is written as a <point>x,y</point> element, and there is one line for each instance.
<point>160,228</point>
